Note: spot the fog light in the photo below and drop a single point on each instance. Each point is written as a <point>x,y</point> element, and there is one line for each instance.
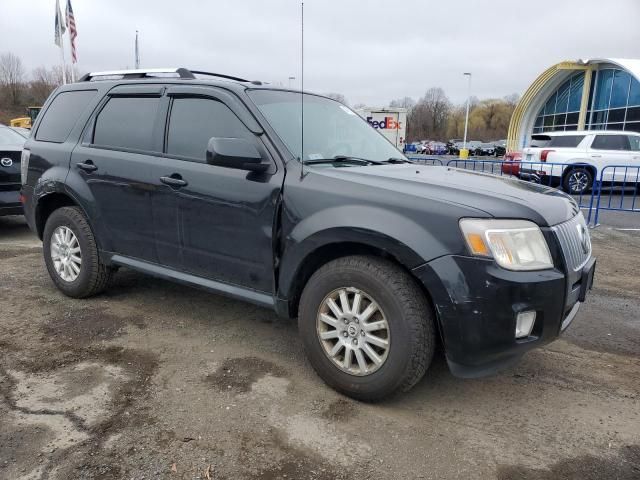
<point>524,323</point>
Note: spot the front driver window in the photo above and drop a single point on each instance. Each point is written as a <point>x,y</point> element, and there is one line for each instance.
<point>611,142</point>
<point>193,121</point>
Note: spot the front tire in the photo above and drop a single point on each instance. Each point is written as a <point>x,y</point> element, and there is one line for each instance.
<point>71,254</point>
<point>367,327</point>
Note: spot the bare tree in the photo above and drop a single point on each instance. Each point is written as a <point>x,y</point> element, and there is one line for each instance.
<point>404,102</point>
<point>428,119</point>
<point>338,97</point>
<point>11,77</point>
<point>512,99</point>
<point>42,84</point>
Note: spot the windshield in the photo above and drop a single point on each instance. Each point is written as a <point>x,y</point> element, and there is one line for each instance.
<point>9,137</point>
<point>330,128</point>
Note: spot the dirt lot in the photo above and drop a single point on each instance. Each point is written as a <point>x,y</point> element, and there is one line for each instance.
<point>155,380</point>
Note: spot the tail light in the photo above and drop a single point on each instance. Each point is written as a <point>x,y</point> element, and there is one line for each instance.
<point>511,163</point>
<point>544,154</point>
<point>24,165</point>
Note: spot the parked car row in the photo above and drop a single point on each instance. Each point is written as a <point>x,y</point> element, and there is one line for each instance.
<point>454,146</point>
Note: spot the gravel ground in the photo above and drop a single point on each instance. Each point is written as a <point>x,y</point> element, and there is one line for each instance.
<point>156,380</point>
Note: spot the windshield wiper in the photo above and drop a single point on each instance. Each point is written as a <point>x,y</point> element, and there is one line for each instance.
<point>343,159</point>
<point>397,160</point>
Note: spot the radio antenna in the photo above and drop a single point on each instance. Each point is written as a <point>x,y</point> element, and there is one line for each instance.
<point>302,89</point>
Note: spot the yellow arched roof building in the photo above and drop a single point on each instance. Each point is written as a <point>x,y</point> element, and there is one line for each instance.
<point>594,94</point>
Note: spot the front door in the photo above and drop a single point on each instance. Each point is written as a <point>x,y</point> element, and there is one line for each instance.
<point>226,216</point>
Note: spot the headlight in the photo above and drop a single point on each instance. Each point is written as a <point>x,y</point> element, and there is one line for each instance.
<point>24,165</point>
<point>513,244</point>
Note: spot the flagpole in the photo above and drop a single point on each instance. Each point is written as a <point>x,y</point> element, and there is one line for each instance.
<point>64,62</point>
<point>137,52</point>
<point>73,75</point>
<point>59,41</point>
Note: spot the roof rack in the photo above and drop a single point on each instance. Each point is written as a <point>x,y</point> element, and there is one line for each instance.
<point>150,73</point>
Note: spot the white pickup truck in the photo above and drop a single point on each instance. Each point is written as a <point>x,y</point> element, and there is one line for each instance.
<point>574,159</point>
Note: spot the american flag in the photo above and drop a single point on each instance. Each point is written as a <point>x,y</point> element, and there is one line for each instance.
<point>70,20</point>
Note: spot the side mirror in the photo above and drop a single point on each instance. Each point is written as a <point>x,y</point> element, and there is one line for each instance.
<point>235,153</point>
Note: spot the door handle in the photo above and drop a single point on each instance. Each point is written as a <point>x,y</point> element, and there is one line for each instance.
<point>596,156</point>
<point>87,166</point>
<point>174,180</point>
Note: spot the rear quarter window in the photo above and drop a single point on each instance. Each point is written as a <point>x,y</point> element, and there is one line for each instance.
<point>566,141</point>
<point>63,113</point>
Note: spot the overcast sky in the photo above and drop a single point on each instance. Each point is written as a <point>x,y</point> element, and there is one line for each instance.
<point>371,51</point>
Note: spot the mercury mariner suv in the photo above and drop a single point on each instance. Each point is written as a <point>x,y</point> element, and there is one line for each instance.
<point>217,182</point>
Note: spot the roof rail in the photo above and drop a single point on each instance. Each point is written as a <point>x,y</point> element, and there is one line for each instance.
<point>149,73</point>
<point>221,75</point>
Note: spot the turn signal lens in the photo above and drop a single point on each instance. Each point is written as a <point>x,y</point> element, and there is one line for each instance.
<point>477,245</point>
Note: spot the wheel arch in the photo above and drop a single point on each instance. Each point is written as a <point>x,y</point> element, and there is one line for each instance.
<point>293,279</point>
<point>580,164</point>
<point>574,165</point>
<point>50,202</point>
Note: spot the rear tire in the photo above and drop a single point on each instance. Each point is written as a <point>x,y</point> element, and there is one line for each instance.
<point>71,254</point>
<point>577,181</point>
<point>403,335</point>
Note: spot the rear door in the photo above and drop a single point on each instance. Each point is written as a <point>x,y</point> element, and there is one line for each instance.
<point>118,162</point>
<point>226,216</point>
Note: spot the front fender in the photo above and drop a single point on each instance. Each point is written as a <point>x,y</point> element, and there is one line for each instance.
<point>409,242</point>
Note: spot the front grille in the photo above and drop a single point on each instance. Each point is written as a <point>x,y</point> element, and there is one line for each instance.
<point>575,242</point>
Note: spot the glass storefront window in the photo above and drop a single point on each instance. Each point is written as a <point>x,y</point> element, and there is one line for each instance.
<point>634,92</point>
<point>614,103</point>
<point>620,89</point>
<point>575,97</point>
<point>603,89</point>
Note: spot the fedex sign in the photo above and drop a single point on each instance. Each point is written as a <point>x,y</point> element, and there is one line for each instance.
<point>388,123</point>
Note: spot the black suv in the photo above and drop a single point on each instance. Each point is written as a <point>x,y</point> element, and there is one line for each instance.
<point>208,180</point>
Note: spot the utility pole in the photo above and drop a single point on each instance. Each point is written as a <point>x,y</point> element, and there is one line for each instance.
<point>137,54</point>
<point>466,119</point>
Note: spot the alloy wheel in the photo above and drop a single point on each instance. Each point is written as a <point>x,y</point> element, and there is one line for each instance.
<point>578,182</point>
<point>353,331</point>
<point>66,254</point>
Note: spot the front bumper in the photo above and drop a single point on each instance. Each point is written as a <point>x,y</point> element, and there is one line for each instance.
<point>10,202</point>
<point>477,303</point>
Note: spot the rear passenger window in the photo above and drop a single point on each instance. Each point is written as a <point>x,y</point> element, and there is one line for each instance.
<point>635,142</point>
<point>611,142</point>
<point>127,123</point>
<point>63,114</point>
<point>194,121</point>
<point>566,141</point>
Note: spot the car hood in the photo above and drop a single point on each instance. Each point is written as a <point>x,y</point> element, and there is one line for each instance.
<point>11,147</point>
<point>497,196</point>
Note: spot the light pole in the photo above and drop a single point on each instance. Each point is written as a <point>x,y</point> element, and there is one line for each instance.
<point>466,118</point>
<point>290,79</point>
